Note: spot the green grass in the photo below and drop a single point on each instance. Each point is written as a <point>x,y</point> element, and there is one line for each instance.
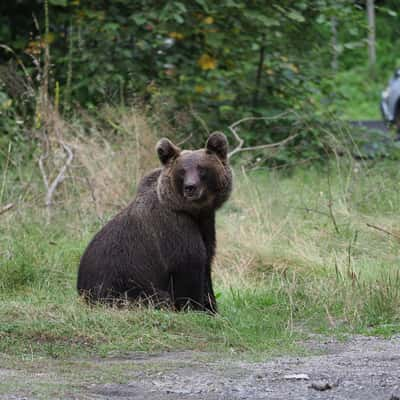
<point>40,310</point>
<point>295,256</point>
<point>358,95</point>
<point>46,378</point>
<point>354,94</point>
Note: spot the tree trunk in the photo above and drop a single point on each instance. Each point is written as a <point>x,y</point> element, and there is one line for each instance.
<point>260,66</point>
<point>371,34</point>
<point>334,43</point>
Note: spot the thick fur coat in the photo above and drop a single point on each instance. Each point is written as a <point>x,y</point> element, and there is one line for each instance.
<point>160,248</point>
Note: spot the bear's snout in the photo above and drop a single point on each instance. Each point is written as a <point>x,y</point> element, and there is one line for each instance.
<point>192,192</point>
<point>189,190</point>
<point>192,188</point>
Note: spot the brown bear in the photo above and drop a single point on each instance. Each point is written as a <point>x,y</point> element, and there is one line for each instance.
<point>160,248</point>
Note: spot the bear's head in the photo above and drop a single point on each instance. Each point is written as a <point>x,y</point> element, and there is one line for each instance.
<point>194,181</point>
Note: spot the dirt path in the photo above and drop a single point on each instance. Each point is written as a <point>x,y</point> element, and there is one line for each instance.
<point>363,368</point>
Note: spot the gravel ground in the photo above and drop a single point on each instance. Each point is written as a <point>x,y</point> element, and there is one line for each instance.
<point>366,368</point>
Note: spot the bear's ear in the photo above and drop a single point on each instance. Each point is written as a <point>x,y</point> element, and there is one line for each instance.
<point>217,143</point>
<point>166,150</point>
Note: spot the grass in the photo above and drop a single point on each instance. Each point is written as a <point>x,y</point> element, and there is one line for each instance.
<point>40,311</point>
<point>311,250</point>
<point>357,96</point>
<point>283,270</point>
<point>46,378</point>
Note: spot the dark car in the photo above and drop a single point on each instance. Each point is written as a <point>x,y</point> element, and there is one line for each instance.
<point>390,103</point>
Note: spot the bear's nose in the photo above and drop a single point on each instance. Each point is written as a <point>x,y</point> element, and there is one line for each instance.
<point>189,190</point>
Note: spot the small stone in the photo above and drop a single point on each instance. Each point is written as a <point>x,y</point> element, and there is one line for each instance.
<point>322,386</point>
<point>297,377</point>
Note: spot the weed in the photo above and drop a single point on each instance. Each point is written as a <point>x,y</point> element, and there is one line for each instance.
<point>297,253</point>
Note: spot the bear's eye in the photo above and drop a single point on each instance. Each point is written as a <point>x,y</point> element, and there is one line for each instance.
<point>202,172</point>
<point>180,172</point>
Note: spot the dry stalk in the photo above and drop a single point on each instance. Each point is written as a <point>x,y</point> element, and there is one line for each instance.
<point>185,140</point>
<point>51,139</point>
<point>51,187</point>
<point>6,208</point>
<point>329,316</point>
<point>47,117</point>
<point>330,203</point>
<point>109,169</point>
<point>52,127</point>
<point>380,229</point>
<point>350,271</point>
<point>3,185</point>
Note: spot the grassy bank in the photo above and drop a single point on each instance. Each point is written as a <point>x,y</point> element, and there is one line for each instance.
<point>311,250</point>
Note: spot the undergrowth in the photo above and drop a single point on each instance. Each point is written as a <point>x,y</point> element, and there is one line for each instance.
<point>310,250</point>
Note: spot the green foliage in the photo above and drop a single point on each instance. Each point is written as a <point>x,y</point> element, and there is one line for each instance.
<point>10,123</point>
<point>352,88</point>
<point>216,61</point>
<point>222,57</point>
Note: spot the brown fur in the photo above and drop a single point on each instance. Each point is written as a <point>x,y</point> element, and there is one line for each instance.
<point>162,245</point>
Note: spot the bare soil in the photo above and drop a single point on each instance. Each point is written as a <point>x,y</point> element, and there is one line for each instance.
<point>366,368</point>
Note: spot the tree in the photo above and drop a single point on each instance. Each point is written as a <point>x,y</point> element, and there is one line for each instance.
<point>371,34</point>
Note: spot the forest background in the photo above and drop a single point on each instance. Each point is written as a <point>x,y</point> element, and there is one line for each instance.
<point>203,64</point>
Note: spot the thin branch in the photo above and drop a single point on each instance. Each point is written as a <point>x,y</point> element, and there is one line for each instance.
<point>185,140</point>
<point>260,66</point>
<point>6,208</point>
<point>278,116</point>
<point>239,148</point>
<point>262,146</point>
<point>240,143</point>
<point>380,229</point>
<point>51,187</point>
<point>332,215</point>
<point>43,171</point>
<point>60,177</point>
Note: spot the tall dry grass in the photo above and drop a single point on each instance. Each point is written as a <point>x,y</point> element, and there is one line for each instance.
<point>109,156</point>
<point>108,166</point>
<point>339,220</point>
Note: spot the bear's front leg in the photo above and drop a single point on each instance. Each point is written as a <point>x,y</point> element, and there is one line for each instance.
<point>188,290</point>
<point>207,229</point>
